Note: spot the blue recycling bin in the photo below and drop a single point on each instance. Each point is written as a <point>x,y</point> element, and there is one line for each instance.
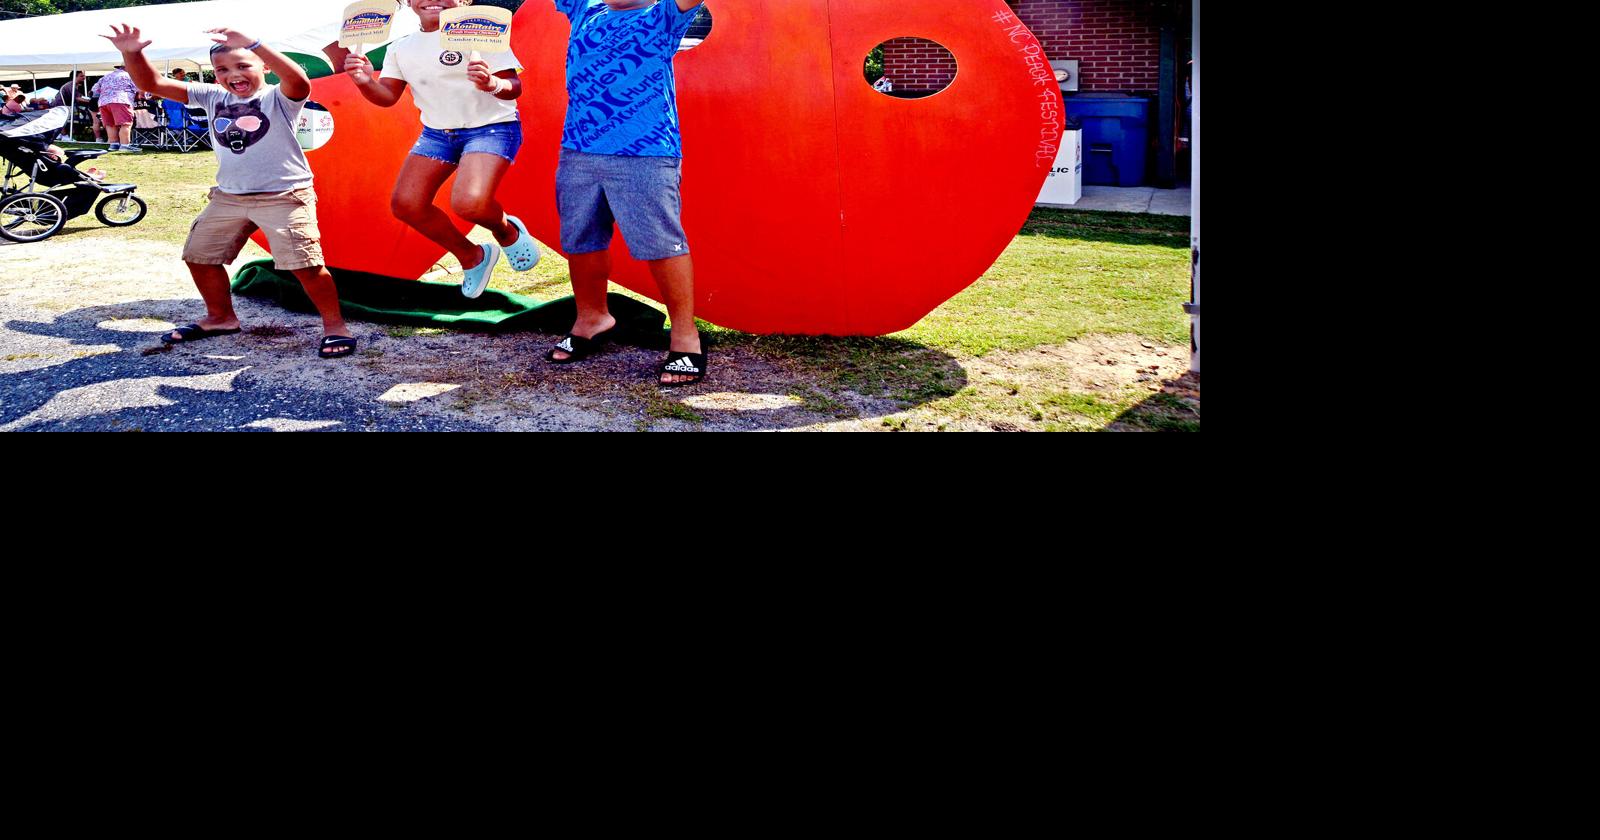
<point>1116,137</point>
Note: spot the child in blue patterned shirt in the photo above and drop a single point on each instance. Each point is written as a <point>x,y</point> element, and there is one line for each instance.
<point>622,164</point>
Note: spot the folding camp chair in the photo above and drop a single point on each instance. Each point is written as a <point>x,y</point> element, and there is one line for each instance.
<point>147,129</point>
<point>182,132</point>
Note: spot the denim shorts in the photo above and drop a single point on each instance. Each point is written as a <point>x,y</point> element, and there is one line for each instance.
<point>638,194</point>
<point>503,139</point>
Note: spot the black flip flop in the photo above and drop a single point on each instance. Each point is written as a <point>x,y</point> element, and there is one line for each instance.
<point>332,341</point>
<point>193,332</point>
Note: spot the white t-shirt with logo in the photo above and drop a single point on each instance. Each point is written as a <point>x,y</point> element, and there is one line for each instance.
<point>439,84</point>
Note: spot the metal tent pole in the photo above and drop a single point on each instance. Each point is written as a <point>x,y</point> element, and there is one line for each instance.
<point>1193,307</point>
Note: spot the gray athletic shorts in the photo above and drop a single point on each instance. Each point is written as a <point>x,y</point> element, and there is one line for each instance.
<point>638,194</point>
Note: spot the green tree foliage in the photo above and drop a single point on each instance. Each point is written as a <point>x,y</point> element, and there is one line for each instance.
<point>875,64</point>
<point>14,9</point>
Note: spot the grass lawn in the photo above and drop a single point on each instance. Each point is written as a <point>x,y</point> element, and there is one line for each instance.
<point>1078,325</point>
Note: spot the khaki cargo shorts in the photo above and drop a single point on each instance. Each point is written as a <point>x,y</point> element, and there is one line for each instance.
<point>289,220</point>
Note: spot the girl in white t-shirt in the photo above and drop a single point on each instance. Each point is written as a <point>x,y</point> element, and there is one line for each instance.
<point>469,123</point>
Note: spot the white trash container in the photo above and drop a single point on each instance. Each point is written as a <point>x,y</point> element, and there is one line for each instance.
<point>1065,184</point>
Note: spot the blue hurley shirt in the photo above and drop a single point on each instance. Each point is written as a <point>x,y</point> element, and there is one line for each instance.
<point>621,96</point>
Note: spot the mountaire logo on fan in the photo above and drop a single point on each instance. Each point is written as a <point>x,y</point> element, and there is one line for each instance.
<point>366,22</point>
<point>475,27</point>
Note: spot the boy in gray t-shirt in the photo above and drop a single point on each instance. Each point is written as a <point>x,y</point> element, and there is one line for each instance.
<point>263,180</point>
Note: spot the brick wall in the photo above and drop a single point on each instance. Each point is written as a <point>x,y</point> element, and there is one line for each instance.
<point>1117,41</point>
<point>914,64</point>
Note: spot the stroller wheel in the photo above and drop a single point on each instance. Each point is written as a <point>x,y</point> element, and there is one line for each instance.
<point>31,217</point>
<point>120,210</point>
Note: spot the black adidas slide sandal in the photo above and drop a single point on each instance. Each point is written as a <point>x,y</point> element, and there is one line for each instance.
<point>578,348</point>
<point>683,364</point>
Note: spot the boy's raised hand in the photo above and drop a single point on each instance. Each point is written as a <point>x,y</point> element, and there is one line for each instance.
<point>233,39</point>
<point>126,39</point>
<point>358,68</point>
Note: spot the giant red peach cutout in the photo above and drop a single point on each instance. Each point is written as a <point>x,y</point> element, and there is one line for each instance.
<point>813,204</point>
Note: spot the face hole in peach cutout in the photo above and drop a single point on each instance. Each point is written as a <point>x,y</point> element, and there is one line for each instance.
<point>698,32</point>
<point>910,68</point>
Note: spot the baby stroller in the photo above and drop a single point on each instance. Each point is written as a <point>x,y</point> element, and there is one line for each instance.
<point>39,195</point>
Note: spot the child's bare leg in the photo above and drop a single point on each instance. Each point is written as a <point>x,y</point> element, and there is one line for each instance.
<point>318,284</point>
<point>473,195</point>
<point>591,275</point>
<point>212,281</point>
<point>412,203</point>
<point>675,278</point>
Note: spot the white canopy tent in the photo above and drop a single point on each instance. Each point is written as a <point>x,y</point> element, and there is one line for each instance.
<point>54,46</point>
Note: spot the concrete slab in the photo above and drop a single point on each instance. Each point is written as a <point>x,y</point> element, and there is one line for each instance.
<point>1131,200</point>
<point>1171,202</point>
<point>1116,199</point>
